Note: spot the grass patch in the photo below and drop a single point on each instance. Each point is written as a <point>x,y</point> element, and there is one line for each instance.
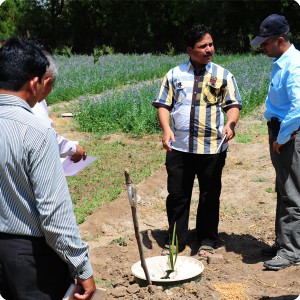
<point>104,283</point>
<point>254,133</point>
<point>104,180</point>
<point>261,179</point>
<point>269,190</point>
<point>126,110</point>
<point>121,241</point>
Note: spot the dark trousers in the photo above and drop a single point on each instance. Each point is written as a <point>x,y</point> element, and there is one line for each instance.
<point>182,168</point>
<point>31,270</point>
<point>287,222</point>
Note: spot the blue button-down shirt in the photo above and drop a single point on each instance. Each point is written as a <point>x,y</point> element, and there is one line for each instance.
<point>283,100</point>
<point>34,195</point>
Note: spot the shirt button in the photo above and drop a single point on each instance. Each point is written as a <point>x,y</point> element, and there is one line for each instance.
<point>195,93</point>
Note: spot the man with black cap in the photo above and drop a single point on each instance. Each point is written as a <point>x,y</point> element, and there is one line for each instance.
<point>283,118</point>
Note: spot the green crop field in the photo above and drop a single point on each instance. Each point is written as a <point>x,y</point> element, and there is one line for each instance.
<point>113,97</point>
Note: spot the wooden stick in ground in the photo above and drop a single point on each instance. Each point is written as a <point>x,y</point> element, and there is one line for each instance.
<point>132,195</point>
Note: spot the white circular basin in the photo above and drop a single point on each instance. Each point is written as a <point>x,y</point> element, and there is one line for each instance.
<point>186,268</point>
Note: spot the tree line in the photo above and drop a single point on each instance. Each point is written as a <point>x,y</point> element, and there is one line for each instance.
<point>141,26</point>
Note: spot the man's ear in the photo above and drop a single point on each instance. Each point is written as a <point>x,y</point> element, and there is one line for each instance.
<point>189,50</point>
<point>280,40</point>
<point>48,85</point>
<point>47,81</point>
<point>33,86</point>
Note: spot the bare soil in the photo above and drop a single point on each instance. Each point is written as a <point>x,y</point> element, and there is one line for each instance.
<point>248,203</point>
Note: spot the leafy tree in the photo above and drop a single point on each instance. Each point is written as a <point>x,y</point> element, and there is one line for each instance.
<point>9,16</point>
<point>137,26</point>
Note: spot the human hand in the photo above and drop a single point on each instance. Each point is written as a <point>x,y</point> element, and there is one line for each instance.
<point>84,289</point>
<point>167,140</point>
<point>79,154</point>
<point>276,147</point>
<point>228,130</point>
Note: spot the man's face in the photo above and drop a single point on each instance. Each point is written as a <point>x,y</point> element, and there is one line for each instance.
<point>202,52</point>
<point>271,47</point>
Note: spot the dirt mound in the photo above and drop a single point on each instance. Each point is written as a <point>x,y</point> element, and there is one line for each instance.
<point>246,224</point>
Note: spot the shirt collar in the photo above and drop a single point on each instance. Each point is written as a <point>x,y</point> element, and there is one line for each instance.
<point>11,100</point>
<point>189,66</point>
<point>283,58</point>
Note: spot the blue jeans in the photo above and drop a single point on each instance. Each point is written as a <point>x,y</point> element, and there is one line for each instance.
<point>182,168</point>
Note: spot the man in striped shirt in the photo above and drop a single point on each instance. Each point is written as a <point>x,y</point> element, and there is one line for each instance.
<point>41,251</point>
<point>195,94</point>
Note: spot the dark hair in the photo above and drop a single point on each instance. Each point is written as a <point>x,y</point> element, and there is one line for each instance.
<point>286,36</point>
<point>195,34</point>
<point>20,61</point>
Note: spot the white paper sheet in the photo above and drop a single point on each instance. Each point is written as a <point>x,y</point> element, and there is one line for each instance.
<point>71,168</point>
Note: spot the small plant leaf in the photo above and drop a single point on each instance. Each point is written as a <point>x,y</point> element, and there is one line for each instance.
<point>173,246</point>
<point>176,248</point>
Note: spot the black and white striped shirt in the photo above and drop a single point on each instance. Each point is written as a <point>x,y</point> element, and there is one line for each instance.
<point>34,195</point>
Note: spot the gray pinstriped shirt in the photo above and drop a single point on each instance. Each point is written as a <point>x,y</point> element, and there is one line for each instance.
<point>34,195</point>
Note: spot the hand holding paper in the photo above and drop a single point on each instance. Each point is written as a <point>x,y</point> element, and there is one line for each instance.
<point>71,168</point>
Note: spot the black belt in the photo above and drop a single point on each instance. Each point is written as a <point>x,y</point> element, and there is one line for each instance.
<point>273,123</point>
<point>6,236</point>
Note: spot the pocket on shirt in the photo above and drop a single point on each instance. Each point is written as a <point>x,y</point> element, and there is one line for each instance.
<point>212,92</point>
<point>277,94</point>
<point>180,94</point>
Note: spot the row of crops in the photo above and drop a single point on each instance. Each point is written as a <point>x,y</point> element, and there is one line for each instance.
<point>115,93</point>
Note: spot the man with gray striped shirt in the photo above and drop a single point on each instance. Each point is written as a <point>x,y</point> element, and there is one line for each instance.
<point>41,251</point>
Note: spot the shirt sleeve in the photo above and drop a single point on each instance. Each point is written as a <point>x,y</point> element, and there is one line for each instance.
<point>41,110</point>
<point>165,95</point>
<point>291,122</point>
<point>232,96</point>
<point>54,206</point>
<point>66,147</point>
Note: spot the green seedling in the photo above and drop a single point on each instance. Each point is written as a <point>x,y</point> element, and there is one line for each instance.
<point>104,283</point>
<point>173,253</point>
<point>121,241</point>
<point>173,249</point>
<point>269,190</point>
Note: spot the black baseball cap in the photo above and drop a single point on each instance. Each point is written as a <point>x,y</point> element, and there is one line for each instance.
<point>273,25</point>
